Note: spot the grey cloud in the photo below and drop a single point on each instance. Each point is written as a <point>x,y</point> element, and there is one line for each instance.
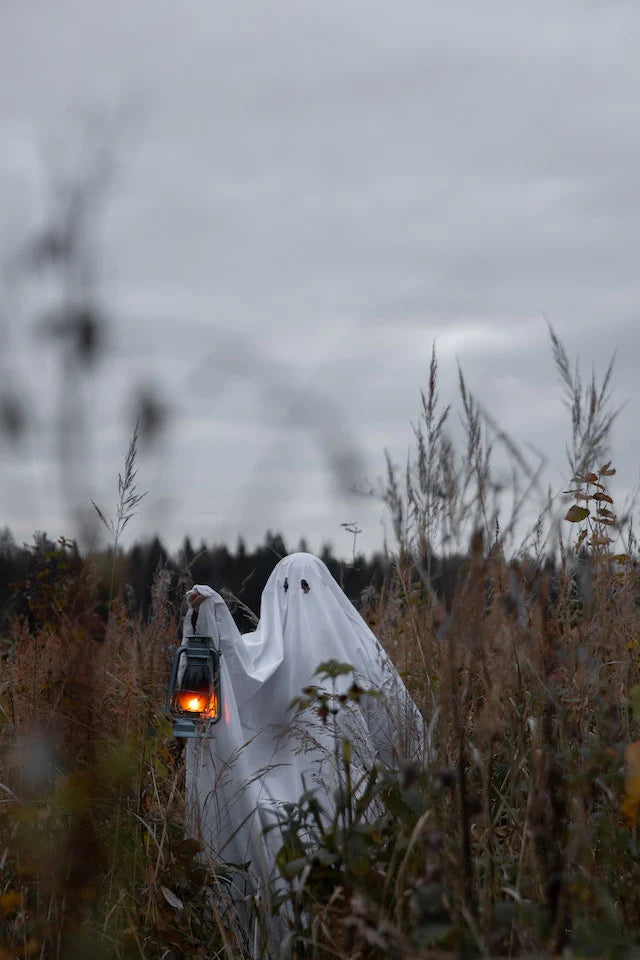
<point>399,172</point>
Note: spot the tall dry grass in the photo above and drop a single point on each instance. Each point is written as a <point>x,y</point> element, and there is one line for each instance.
<point>519,839</point>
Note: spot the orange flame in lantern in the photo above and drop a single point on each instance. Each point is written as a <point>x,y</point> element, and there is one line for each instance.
<point>197,702</point>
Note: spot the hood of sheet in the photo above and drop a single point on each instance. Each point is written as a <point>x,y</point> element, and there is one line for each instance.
<point>263,753</point>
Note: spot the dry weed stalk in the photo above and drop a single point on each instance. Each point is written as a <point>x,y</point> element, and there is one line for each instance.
<point>128,501</point>
<point>129,498</point>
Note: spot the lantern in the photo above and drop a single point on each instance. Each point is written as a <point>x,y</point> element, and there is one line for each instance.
<point>194,696</point>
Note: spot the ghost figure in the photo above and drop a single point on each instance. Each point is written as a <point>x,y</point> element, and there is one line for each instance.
<point>262,753</point>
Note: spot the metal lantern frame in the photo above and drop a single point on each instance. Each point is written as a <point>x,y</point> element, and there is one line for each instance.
<point>196,651</point>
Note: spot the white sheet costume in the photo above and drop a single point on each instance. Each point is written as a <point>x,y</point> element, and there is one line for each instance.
<point>260,751</point>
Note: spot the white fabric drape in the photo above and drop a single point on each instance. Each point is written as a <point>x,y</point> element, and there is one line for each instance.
<point>261,751</point>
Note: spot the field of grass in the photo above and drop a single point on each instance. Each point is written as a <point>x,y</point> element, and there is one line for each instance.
<point>520,838</point>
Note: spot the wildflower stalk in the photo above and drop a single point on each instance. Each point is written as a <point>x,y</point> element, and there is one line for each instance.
<point>128,501</point>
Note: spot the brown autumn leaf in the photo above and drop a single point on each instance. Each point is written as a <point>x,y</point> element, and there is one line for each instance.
<point>10,901</point>
<point>603,497</point>
<point>620,558</point>
<point>599,541</point>
<point>603,512</point>
<point>576,514</point>
<point>605,521</point>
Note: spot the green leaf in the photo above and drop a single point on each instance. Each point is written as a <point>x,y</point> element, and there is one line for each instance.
<point>576,514</point>
<point>634,700</point>
<point>325,857</point>
<point>332,669</point>
<point>294,867</point>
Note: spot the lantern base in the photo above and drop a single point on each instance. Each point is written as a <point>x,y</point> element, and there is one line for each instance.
<point>192,729</point>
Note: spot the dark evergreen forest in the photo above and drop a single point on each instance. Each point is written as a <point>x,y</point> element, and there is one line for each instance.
<point>36,577</point>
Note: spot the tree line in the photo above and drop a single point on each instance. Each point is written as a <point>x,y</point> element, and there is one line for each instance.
<point>39,578</point>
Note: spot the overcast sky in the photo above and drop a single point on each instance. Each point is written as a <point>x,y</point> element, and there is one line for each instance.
<point>304,196</point>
